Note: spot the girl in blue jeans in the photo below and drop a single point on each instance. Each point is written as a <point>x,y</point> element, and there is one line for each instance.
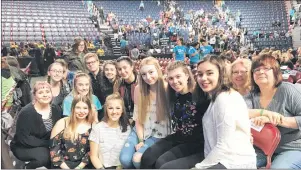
<point>151,114</point>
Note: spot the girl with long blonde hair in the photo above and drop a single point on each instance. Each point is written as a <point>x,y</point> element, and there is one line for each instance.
<point>81,87</point>
<point>151,113</point>
<point>69,147</point>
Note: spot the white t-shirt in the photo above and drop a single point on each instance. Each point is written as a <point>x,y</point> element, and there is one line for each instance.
<point>227,133</point>
<point>110,140</point>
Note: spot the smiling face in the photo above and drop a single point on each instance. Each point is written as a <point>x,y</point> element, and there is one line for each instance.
<point>110,71</point>
<point>43,95</point>
<point>56,72</point>
<point>178,80</point>
<point>92,64</point>
<point>239,75</point>
<point>81,110</point>
<point>114,110</point>
<point>82,85</point>
<point>263,75</point>
<point>207,76</point>
<point>125,70</point>
<point>149,74</point>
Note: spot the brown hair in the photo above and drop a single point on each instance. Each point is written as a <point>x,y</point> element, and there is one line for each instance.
<point>264,60</point>
<point>191,82</point>
<point>76,44</point>
<point>123,120</point>
<point>223,79</point>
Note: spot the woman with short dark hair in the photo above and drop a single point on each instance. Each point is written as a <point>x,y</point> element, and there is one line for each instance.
<point>279,103</point>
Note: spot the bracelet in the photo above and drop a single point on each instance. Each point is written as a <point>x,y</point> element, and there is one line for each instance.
<point>80,167</point>
<point>261,112</point>
<point>141,140</point>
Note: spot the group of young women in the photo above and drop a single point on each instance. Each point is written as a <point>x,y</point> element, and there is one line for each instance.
<point>155,120</point>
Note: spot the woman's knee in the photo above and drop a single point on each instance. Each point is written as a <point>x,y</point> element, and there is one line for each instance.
<point>126,158</point>
<point>287,160</point>
<point>137,159</point>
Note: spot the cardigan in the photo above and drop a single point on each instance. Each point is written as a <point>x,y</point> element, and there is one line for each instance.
<point>31,131</point>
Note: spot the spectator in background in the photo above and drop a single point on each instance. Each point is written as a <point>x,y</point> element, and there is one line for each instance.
<point>34,125</point>
<point>205,48</point>
<point>123,45</point>
<point>141,6</point>
<point>7,82</point>
<point>4,51</point>
<point>75,57</point>
<point>286,61</point>
<point>179,51</point>
<point>49,55</point>
<point>135,53</point>
<point>194,54</point>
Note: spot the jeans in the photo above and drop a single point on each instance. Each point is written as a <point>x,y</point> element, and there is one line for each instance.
<point>284,160</point>
<point>128,151</point>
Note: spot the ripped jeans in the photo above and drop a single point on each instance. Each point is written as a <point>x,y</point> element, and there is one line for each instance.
<point>129,150</point>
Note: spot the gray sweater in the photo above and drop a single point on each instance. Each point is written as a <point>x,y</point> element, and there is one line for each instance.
<point>286,101</point>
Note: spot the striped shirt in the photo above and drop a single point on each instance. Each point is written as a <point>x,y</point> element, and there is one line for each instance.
<point>110,140</point>
<point>286,101</point>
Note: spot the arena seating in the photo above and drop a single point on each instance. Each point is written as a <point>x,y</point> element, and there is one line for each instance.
<point>128,11</point>
<point>54,21</point>
<point>259,16</point>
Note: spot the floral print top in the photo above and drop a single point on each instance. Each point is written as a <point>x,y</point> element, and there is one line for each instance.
<point>152,127</point>
<point>186,121</point>
<point>72,153</point>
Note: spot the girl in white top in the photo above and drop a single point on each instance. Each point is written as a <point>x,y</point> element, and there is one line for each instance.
<point>151,114</point>
<point>226,122</point>
<point>108,137</point>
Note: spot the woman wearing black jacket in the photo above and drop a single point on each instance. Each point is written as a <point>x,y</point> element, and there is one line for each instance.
<point>34,125</point>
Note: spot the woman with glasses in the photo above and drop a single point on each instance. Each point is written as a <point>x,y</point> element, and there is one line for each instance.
<point>240,76</point>
<point>279,103</point>
<point>55,78</point>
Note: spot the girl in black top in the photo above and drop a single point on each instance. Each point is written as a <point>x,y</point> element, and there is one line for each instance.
<point>126,85</point>
<point>55,78</point>
<point>184,147</point>
<point>109,77</point>
<point>34,124</point>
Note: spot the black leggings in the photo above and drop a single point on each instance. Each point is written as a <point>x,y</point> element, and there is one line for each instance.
<point>169,153</point>
<point>37,157</point>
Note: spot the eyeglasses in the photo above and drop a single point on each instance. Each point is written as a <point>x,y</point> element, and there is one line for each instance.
<point>92,62</point>
<point>236,73</point>
<point>258,70</point>
<point>57,71</point>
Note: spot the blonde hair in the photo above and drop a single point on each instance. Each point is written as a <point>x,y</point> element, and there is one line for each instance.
<point>70,131</point>
<point>246,63</point>
<point>90,55</point>
<point>75,81</point>
<point>144,100</point>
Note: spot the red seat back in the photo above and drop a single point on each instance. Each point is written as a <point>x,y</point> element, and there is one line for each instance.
<point>299,81</point>
<point>267,140</point>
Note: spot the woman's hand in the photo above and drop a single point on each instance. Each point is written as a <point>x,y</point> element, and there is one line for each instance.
<point>274,117</point>
<point>139,145</point>
<point>260,121</point>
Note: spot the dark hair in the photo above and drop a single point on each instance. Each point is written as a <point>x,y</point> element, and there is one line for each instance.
<point>125,58</point>
<point>263,60</point>
<point>123,120</point>
<point>223,80</point>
